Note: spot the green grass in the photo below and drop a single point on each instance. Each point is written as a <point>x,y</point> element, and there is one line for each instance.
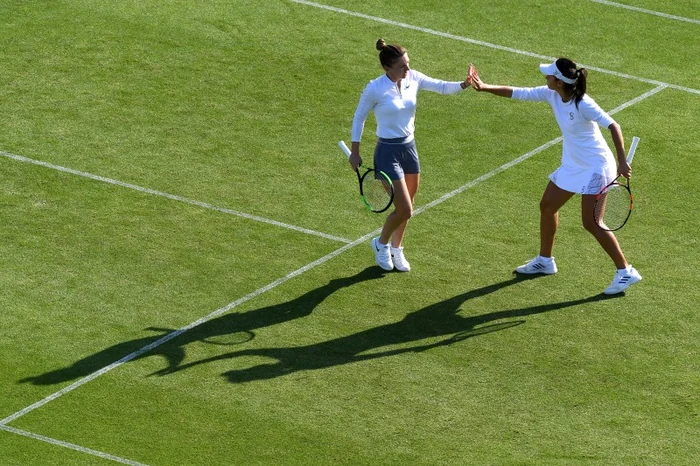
<point>240,105</point>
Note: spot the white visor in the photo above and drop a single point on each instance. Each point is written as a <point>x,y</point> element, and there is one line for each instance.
<point>552,70</point>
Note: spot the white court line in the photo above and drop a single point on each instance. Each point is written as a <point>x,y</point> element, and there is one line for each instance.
<point>172,196</point>
<point>649,12</point>
<point>4,422</point>
<point>293,274</point>
<point>490,45</point>
<point>184,329</point>
<point>638,99</point>
<point>71,446</point>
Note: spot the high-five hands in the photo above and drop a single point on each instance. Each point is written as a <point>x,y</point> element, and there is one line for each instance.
<point>474,79</point>
<point>470,75</point>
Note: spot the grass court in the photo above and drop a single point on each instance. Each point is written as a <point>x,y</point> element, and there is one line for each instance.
<point>186,277</point>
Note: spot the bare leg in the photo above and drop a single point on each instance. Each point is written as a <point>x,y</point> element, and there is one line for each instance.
<point>605,238</point>
<point>552,200</point>
<point>403,210</point>
<point>412,182</point>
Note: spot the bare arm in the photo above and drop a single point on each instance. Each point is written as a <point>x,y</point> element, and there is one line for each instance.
<point>480,86</point>
<point>623,168</point>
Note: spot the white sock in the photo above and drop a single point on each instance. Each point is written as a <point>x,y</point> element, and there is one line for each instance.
<point>546,260</point>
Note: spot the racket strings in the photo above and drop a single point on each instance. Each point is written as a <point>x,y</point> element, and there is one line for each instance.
<point>376,190</point>
<point>613,207</point>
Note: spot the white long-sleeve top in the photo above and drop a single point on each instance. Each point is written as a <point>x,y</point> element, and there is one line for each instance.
<point>584,146</point>
<point>395,109</point>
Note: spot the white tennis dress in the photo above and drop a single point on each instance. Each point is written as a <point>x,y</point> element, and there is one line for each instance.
<point>587,163</point>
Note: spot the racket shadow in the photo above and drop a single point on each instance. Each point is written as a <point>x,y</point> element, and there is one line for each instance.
<point>441,319</point>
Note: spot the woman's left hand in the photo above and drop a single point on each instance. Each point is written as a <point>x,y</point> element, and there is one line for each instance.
<point>472,74</point>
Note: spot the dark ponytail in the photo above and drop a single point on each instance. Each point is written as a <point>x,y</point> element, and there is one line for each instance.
<point>389,54</point>
<point>578,88</point>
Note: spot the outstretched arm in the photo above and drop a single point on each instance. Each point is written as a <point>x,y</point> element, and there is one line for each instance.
<point>480,86</point>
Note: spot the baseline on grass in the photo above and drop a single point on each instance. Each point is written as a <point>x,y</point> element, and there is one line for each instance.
<point>613,204</point>
<point>376,188</point>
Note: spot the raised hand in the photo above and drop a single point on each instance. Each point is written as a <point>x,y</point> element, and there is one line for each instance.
<point>477,83</point>
<point>470,74</point>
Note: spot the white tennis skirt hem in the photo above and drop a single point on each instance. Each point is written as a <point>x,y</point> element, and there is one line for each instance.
<point>583,181</point>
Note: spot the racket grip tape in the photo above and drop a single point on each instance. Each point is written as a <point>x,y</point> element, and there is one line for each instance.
<point>344,147</point>
<point>633,149</point>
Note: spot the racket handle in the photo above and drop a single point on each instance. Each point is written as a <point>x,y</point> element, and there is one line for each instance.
<point>633,148</point>
<point>345,148</point>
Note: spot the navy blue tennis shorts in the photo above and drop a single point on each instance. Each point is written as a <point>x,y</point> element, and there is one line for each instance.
<point>396,157</point>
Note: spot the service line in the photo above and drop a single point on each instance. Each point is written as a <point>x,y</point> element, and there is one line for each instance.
<point>490,45</point>
<point>174,197</point>
<point>295,273</point>
<point>3,423</point>
<point>649,12</point>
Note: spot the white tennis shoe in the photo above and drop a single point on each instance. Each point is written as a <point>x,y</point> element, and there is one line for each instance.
<point>382,254</point>
<point>623,280</point>
<point>538,265</point>
<point>399,260</point>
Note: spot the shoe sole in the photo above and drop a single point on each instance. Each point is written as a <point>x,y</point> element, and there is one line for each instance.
<point>534,272</point>
<point>632,281</point>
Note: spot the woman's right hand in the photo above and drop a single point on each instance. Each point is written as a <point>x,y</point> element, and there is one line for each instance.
<point>355,160</point>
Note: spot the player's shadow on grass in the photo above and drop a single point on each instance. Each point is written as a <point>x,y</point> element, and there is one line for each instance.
<point>437,320</point>
<point>228,329</point>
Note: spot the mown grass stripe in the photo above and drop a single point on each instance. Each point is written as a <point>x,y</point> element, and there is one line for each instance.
<point>491,45</point>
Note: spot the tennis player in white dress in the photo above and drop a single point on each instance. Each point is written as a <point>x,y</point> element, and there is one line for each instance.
<point>587,163</point>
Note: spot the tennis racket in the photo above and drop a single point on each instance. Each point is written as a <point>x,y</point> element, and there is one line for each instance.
<point>613,205</point>
<point>376,188</point>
